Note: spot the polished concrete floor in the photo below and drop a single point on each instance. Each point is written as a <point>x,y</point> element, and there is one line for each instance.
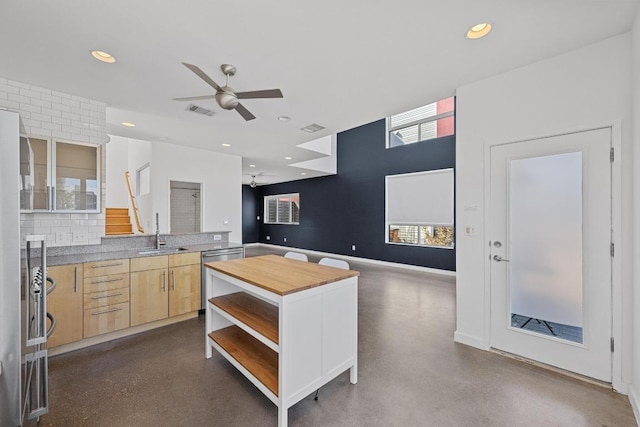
<point>411,373</point>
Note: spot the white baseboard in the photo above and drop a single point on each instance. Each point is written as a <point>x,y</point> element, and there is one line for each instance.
<point>469,340</point>
<point>366,260</point>
<point>634,398</point>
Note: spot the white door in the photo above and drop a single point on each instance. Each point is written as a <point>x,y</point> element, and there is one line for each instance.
<point>551,251</point>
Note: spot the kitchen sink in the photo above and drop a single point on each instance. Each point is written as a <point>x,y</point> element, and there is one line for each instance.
<point>161,251</point>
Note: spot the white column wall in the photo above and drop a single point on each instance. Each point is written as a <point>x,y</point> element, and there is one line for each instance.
<point>580,89</point>
<point>117,153</point>
<point>634,392</point>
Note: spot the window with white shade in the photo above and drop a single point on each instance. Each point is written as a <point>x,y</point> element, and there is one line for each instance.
<point>419,208</point>
<point>282,209</point>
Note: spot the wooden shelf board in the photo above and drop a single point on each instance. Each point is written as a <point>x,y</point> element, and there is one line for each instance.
<point>253,312</point>
<point>255,357</point>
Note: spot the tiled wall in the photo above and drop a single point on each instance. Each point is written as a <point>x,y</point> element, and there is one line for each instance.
<point>51,114</point>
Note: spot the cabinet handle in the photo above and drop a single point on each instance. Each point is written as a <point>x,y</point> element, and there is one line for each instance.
<point>75,285</point>
<point>164,281</point>
<point>107,296</point>
<point>107,280</point>
<point>97,313</point>
<point>106,265</point>
<point>173,276</point>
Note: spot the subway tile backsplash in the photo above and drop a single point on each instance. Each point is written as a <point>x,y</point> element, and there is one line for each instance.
<point>52,114</point>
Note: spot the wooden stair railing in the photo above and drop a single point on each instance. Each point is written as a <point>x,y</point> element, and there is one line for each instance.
<point>136,215</point>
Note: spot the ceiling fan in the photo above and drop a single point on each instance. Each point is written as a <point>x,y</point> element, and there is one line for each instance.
<point>226,97</point>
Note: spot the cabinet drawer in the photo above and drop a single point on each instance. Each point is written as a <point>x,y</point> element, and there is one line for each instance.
<point>106,319</point>
<point>102,268</point>
<point>100,299</point>
<point>106,283</point>
<point>149,263</point>
<point>178,260</point>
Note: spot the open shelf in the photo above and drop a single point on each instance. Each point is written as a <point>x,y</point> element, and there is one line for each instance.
<point>254,356</point>
<point>253,312</point>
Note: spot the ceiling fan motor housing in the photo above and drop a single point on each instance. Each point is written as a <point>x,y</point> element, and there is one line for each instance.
<point>227,98</point>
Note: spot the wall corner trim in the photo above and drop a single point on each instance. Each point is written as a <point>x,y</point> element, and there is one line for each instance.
<point>634,399</point>
<point>469,340</point>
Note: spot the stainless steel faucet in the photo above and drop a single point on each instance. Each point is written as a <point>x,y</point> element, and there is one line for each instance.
<point>158,242</point>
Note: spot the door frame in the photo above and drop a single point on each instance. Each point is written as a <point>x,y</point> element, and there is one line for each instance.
<point>617,306</point>
<point>202,201</point>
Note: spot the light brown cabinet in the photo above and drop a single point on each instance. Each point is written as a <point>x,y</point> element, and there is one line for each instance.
<point>149,289</point>
<point>184,292</point>
<point>106,297</point>
<point>65,304</point>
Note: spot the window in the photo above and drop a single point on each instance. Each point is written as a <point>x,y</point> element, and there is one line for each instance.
<point>143,180</point>
<point>59,176</point>
<point>282,209</point>
<point>421,124</point>
<point>420,208</point>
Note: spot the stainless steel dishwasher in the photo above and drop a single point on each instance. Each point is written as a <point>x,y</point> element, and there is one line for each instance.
<point>212,256</point>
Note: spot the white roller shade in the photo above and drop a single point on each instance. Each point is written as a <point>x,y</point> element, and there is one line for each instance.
<point>423,198</point>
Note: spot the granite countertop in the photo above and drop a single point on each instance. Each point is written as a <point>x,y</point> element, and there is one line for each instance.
<point>131,253</point>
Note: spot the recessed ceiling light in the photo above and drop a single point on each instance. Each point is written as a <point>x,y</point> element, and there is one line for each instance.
<point>226,145</point>
<point>303,173</point>
<point>288,158</point>
<point>129,124</point>
<point>103,56</point>
<point>478,31</point>
<point>252,166</point>
<point>284,118</point>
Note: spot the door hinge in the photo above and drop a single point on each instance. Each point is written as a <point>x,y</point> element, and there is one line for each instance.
<point>612,345</point>
<point>611,155</point>
<point>613,250</point>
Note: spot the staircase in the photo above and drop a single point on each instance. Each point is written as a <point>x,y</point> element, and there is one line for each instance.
<point>117,222</point>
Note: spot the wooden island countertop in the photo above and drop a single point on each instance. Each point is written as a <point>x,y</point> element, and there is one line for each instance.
<point>280,275</point>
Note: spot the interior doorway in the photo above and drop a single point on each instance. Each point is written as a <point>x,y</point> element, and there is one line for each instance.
<point>551,228</point>
<point>185,207</point>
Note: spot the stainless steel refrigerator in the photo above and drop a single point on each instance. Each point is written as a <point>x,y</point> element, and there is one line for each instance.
<point>23,288</point>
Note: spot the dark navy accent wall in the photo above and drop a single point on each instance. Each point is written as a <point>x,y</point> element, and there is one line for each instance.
<point>349,208</point>
<point>250,211</point>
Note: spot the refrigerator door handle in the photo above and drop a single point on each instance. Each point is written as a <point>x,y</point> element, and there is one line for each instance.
<point>52,318</point>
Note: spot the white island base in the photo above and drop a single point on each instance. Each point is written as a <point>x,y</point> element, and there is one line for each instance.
<point>289,326</point>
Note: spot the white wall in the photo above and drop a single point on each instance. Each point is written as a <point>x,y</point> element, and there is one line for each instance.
<point>634,392</point>
<point>221,190</point>
<point>117,164</point>
<point>51,114</point>
<point>577,90</point>
<point>219,174</point>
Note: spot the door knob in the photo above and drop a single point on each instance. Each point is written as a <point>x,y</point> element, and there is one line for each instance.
<point>498,258</point>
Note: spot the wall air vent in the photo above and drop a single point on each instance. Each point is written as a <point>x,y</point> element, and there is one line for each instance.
<point>314,127</point>
<point>199,110</point>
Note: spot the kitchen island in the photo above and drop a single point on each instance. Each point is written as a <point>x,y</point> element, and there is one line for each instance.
<point>289,326</point>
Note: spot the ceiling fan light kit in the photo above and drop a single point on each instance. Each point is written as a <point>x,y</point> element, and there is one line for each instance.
<point>225,96</point>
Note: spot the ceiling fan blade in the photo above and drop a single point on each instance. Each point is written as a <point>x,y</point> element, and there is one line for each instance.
<point>244,112</point>
<point>198,72</point>
<point>269,93</point>
<point>195,98</point>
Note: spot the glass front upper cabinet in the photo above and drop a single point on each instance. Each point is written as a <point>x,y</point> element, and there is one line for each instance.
<point>59,176</point>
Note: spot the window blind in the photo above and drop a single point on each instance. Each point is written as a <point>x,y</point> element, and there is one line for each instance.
<point>423,198</point>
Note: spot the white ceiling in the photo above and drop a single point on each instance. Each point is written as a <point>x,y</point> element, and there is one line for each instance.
<point>340,64</point>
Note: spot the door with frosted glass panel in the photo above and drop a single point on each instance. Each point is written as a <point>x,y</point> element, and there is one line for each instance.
<point>550,251</point>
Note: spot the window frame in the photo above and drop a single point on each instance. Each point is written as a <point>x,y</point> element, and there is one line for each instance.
<point>419,122</point>
<point>277,197</point>
<point>52,174</point>
<point>388,223</point>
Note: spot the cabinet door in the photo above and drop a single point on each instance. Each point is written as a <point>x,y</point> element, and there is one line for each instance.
<point>65,304</point>
<point>149,296</point>
<point>184,292</point>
